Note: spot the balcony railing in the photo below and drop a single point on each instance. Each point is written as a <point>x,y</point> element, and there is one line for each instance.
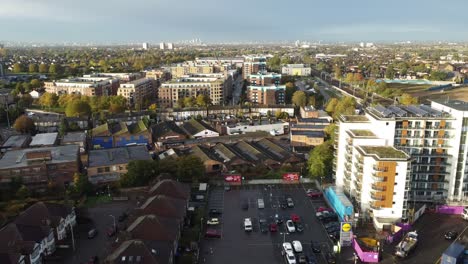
<point>379,179</point>
<point>377,196</point>
<point>381,169</point>
<point>375,206</point>
<point>378,188</point>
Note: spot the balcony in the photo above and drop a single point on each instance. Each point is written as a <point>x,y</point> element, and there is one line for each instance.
<point>376,205</point>
<point>378,188</point>
<point>378,178</point>
<point>377,196</point>
<point>348,166</point>
<point>380,169</point>
<point>347,175</point>
<point>358,166</point>
<point>358,185</point>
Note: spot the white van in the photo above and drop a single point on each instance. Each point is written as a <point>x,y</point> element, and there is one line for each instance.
<point>261,204</point>
<point>465,213</point>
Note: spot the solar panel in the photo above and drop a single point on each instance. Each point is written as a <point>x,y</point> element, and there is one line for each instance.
<point>416,110</point>
<point>434,112</point>
<point>397,110</point>
<point>383,111</point>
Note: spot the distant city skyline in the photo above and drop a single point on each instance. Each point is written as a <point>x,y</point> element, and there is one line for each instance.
<point>152,21</point>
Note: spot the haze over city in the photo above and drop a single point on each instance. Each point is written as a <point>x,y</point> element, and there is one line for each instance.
<point>226,21</point>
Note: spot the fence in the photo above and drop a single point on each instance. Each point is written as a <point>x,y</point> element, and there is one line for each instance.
<point>365,256</point>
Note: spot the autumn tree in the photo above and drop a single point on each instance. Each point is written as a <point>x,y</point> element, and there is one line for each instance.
<point>24,124</point>
<point>203,100</point>
<point>17,68</point>
<point>407,99</point>
<point>43,68</point>
<point>48,100</point>
<point>77,108</point>
<point>299,99</point>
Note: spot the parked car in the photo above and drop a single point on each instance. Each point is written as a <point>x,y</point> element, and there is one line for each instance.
<point>260,203</point>
<point>290,202</point>
<point>330,257</point>
<point>299,226</point>
<point>215,212</point>
<point>295,218</point>
<point>322,208</point>
<point>297,245</point>
<point>92,233</point>
<point>315,246</point>
<point>332,229</point>
<point>314,193</point>
<point>247,224</point>
<point>451,235</point>
<point>301,258</point>
<point>290,226</point>
<point>330,224</point>
<point>213,221</point>
<point>287,247</point>
<point>273,227</point>
<point>290,258</point>
<point>245,205</point>
<point>122,217</point>
<point>311,259</point>
<point>278,219</point>
<point>212,233</point>
<point>283,204</point>
<point>263,225</point>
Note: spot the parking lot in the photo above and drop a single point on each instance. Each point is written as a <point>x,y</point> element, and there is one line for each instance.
<point>238,246</point>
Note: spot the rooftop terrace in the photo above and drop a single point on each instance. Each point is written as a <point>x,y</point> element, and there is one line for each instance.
<point>384,152</point>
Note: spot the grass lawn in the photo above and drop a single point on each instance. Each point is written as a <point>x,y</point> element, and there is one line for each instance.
<point>95,200</point>
<point>51,109</point>
<point>409,88</point>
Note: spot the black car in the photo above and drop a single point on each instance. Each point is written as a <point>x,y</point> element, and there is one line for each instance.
<point>334,236</point>
<point>330,257</point>
<point>215,212</point>
<point>245,205</point>
<point>263,225</point>
<point>316,248</point>
<point>283,204</point>
<point>330,224</point>
<point>451,235</point>
<point>299,226</point>
<point>122,217</point>
<point>332,229</point>
<point>311,259</point>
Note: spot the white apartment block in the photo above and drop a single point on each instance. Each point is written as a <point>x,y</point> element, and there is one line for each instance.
<point>433,136</point>
<point>138,90</point>
<point>296,70</point>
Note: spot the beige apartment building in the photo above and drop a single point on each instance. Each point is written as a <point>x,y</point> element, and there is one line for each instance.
<point>137,91</point>
<point>89,86</point>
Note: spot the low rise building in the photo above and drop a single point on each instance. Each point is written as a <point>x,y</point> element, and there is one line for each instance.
<point>274,127</point>
<point>199,129</point>
<point>167,135</point>
<point>296,70</point>
<point>89,86</point>
<point>267,95</point>
<point>38,166</point>
<point>16,142</point>
<point>139,252</point>
<point>306,138</point>
<point>120,134</point>
<point>75,138</point>
<point>107,165</point>
<point>44,140</point>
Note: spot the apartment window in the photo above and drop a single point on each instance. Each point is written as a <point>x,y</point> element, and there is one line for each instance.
<point>100,170</point>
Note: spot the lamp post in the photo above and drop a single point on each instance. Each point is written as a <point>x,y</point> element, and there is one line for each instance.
<point>113,218</point>
<point>284,236</point>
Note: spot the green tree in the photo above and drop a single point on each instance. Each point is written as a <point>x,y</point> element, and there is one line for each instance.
<point>320,161</point>
<point>281,115</point>
<point>23,192</point>
<point>81,184</point>
<point>338,72</point>
<point>33,68</point>
<point>77,108</point>
<point>190,168</point>
<point>274,63</point>
<point>48,100</point>
<point>63,127</point>
<point>55,69</point>
<point>203,100</point>
<point>390,72</point>
<point>290,89</point>
<point>299,99</point>
<point>189,101</point>
<point>35,83</point>
<point>345,106</point>
<point>407,99</point>
<point>139,173</point>
<point>331,105</point>
<point>25,101</point>
<point>43,68</point>
<point>24,124</point>
<point>438,76</point>
<point>17,68</point>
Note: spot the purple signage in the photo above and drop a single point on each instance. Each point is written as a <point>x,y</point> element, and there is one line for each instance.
<point>370,257</point>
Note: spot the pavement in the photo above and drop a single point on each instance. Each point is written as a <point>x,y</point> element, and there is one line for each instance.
<point>99,245</point>
<point>238,246</point>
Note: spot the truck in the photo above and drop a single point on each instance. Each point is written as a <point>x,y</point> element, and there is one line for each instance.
<point>453,254</point>
<point>407,244</point>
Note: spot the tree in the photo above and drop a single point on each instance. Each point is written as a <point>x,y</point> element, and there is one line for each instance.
<point>153,107</point>
<point>299,99</point>
<point>17,68</point>
<point>438,75</point>
<point>180,102</point>
<point>321,160</point>
<point>63,127</point>
<point>330,131</point>
<point>331,105</point>
<point>189,101</point>
<point>43,68</point>
<point>290,89</point>
<point>81,183</point>
<point>338,72</point>
<point>24,124</point>
<point>190,168</point>
<point>407,99</point>
<point>35,83</point>
<point>390,72</point>
<point>55,69</point>
<point>139,173</point>
<point>48,100</point>
<point>312,101</point>
<point>274,63</point>
<point>32,68</point>
<point>25,101</point>
<point>203,100</point>
<point>281,115</point>
<point>77,108</point>
<point>23,192</point>
<point>345,106</point>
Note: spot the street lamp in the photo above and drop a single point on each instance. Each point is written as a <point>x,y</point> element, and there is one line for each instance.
<point>284,236</point>
<point>113,218</point>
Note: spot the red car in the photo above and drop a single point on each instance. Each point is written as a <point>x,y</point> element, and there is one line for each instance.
<point>322,209</point>
<point>273,227</point>
<point>295,218</point>
<point>212,233</point>
<point>314,193</point>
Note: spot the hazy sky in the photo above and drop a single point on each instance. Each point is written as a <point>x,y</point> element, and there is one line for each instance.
<point>236,20</point>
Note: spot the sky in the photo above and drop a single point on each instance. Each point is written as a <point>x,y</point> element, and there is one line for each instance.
<point>127,21</point>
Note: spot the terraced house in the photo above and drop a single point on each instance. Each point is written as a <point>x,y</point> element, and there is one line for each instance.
<point>121,134</point>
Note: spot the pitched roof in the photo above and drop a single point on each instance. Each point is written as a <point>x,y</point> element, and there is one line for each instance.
<point>193,126</point>
<point>137,127</point>
<point>43,214</point>
<point>51,155</point>
<point>171,188</point>
<point>12,242</point>
<point>164,206</point>
<point>132,250</point>
<point>122,155</point>
<point>152,227</point>
<point>203,153</point>
<point>101,131</point>
<point>163,128</point>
